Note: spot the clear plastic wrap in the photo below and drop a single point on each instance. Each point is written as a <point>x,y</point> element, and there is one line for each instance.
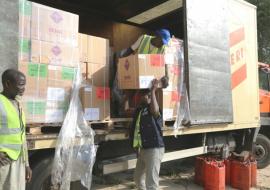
<point>174,54</point>
<point>75,151</point>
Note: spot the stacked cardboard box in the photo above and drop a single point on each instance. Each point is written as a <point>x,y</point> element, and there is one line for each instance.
<point>95,101</point>
<point>138,70</point>
<point>48,57</point>
<point>94,61</point>
<point>170,96</point>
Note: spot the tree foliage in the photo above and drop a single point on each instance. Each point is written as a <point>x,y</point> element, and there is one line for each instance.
<point>263,29</point>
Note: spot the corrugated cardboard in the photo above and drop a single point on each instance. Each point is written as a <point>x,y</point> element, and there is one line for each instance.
<point>174,72</point>
<point>96,102</point>
<point>167,101</point>
<point>54,53</point>
<point>43,110</point>
<point>61,77</point>
<point>53,25</point>
<point>34,109</point>
<point>25,12</point>
<point>36,79</point>
<point>174,52</point>
<point>48,53</point>
<point>93,49</point>
<point>137,71</point>
<point>47,92</point>
<point>98,74</point>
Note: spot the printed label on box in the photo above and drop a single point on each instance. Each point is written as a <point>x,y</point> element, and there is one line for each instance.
<point>54,115</point>
<point>91,114</point>
<point>157,60</point>
<point>145,81</point>
<point>55,94</point>
<point>37,70</point>
<point>36,108</point>
<point>88,89</point>
<point>167,114</point>
<point>141,56</point>
<point>25,7</point>
<point>102,93</point>
<point>169,58</point>
<point>68,73</point>
<point>24,45</point>
<point>175,96</point>
<point>53,67</point>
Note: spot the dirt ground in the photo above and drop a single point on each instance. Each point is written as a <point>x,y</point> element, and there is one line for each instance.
<point>177,175</point>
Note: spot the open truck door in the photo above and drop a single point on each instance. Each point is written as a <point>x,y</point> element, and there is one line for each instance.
<point>207,58</point>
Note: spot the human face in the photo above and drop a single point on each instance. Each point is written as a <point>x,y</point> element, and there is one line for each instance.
<point>20,85</point>
<point>146,98</point>
<point>16,87</point>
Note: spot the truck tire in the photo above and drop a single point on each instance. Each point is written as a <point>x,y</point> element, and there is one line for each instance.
<point>262,151</point>
<point>41,178</point>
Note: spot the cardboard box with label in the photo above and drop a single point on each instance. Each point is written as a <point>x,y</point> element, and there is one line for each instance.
<point>54,53</point>
<point>168,102</point>
<point>48,24</point>
<point>138,70</point>
<point>93,49</point>
<point>49,84</point>
<point>98,74</point>
<point>54,25</point>
<point>36,79</point>
<point>48,53</point>
<point>25,12</point>
<point>34,109</point>
<point>96,102</point>
<point>43,110</point>
<point>174,74</point>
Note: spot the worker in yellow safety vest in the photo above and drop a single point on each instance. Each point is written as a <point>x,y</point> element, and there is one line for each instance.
<point>14,165</point>
<point>145,44</point>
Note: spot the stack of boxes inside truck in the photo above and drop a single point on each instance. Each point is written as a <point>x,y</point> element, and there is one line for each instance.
<point>137,71</point>
<point>170,97</point>
<point>94,61</point>
<point>48,57</point>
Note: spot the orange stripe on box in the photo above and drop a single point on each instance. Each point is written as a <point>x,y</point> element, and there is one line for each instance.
<point>237,36</point>
<point>239,76</point>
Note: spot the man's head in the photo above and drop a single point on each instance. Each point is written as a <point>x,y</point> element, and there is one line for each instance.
<point>13,83</point>
<point>162,37</point>
<point>145,95</point>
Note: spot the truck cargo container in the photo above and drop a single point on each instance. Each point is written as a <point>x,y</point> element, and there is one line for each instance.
<point>220,52</point>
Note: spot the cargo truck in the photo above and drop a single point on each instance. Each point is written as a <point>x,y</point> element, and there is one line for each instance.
<point>220,54</point>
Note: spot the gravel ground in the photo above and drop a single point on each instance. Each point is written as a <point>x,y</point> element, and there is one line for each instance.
<point>177,175</point>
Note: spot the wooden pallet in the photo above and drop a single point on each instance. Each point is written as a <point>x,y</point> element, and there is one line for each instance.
<point>54,128</point>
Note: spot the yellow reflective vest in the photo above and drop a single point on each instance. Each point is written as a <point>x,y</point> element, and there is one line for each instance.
<point>12,128</point>
<point>137,141</point>
<point>145,44</point>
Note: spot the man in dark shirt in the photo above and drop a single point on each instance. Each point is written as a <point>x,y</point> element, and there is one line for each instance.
<point>147,139</point>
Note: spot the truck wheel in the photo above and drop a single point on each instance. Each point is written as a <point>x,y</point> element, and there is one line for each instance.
<point>41,178</point>
<point>262,151</point>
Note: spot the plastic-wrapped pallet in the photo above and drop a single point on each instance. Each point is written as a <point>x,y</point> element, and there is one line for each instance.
<point>75,151</point>
<point>48,57</point>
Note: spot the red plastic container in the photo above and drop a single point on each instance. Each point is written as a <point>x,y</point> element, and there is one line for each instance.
<point>214,175</point>
<point>253,165</point>
<point>240,175</point>
<point>199,170</point>
<point>227,163</point>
